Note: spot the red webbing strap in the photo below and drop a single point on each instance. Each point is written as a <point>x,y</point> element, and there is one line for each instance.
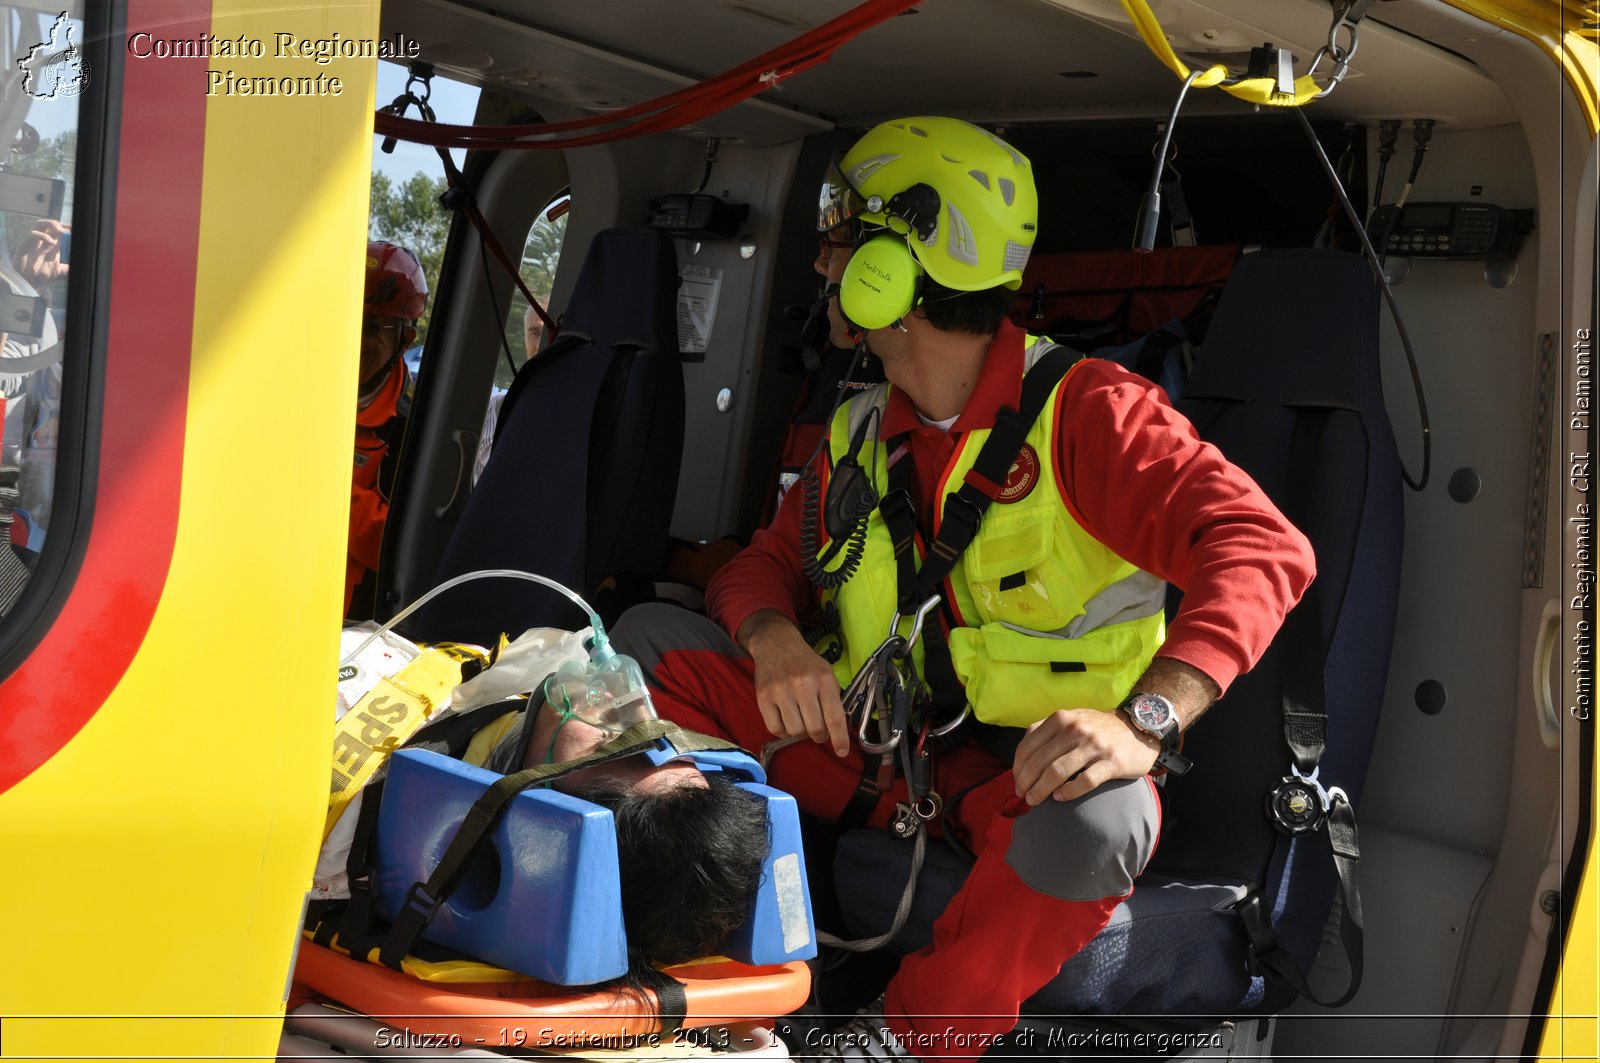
<point>469,206</point>
<point>686,105</point>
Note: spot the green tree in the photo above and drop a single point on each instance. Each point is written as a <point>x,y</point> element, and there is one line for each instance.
<point>542,253</point>
<point>409,214</point>
<point>55,157</point>
<point>540,257</point>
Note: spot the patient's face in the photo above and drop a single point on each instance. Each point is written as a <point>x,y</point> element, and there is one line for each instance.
<point>554,739</point>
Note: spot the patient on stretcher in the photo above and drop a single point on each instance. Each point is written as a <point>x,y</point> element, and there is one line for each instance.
<point>690,846</point>
<point>688,826</point>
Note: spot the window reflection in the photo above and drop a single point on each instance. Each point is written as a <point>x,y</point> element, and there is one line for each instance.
<point>42,74</point>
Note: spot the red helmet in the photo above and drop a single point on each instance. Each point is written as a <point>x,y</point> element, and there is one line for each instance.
<point>395,284</point>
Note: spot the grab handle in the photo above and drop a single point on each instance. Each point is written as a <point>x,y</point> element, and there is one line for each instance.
<point>466,452</point>
<point>1544,698</point>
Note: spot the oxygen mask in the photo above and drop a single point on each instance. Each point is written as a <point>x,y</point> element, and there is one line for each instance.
<point>607,691</point>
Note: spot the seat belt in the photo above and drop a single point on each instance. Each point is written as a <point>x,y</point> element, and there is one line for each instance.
<point>1299,804</point>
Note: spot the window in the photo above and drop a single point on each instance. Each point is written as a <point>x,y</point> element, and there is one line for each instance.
<point>408,181</point>
<point>540,257</point>
<point>524,331</point>
<point>45,76</point>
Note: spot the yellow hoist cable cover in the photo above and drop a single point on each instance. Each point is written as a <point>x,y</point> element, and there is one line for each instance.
<point>1261,91</point>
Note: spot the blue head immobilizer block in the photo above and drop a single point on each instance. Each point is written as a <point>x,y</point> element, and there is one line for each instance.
<point>543,898</point>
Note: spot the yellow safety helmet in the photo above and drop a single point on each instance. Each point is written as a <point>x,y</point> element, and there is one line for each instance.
<point>963,198</point>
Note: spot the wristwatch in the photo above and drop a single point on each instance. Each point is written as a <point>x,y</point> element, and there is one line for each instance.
<point>1154,715</point>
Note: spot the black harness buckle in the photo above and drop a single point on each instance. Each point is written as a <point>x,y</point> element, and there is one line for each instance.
<point>1258,928</point>
<point>420,901</point>
<point>1299,804</point>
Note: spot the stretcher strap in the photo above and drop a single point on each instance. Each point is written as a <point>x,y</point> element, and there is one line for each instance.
<point>672,1000</point>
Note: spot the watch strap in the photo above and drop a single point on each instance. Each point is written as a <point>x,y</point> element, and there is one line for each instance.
<point>1169,759</point>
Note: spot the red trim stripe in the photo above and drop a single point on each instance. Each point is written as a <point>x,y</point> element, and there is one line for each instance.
<point>161,152</point>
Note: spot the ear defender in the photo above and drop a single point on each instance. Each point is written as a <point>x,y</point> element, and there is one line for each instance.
<point>880,283</point>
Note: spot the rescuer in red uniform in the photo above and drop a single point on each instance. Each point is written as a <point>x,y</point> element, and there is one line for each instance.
<point>396,293</point>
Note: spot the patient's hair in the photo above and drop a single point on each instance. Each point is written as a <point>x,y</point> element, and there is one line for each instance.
<point>691,859</point>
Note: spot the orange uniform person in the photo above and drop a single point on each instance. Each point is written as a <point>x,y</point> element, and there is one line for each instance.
<point>396,293</point>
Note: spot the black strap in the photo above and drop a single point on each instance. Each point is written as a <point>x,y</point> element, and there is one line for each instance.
<point>424,898</point>
<point>864,799</point>
<point>1264,953</point>
<point>980,487</point>
<point>1305,732</point>
<point>1305,695</point>
<point>356,930</point>
<point>351,922</point>
<point>673,998</point>
<point>963,515</point>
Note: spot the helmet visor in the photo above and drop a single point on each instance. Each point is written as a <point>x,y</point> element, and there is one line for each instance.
<point>839,201</point>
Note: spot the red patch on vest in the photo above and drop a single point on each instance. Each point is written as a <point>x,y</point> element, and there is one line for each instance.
<point>1024,473</point>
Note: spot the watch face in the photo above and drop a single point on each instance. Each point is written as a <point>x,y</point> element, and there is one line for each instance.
<point>1150,712</point>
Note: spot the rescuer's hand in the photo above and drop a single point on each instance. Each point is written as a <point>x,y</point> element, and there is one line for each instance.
<point>38,256</point>
<point>1072,751</point>
<point>795,688</point>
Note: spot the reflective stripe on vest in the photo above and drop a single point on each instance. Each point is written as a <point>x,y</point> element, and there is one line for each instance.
<point>1052,618</point>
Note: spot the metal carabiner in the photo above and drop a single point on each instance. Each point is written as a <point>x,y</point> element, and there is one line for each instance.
<point>916,627</point>
<point>1341,56</point>
<point>961,717</point>
<point>855,694</point>
<point>882,709</point>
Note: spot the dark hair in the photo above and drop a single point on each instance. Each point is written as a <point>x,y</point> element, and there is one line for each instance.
<point>691,860</point>
<point>979,313</point>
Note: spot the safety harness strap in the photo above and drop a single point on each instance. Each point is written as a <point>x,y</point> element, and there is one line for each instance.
<point>1305,732</point>
<point>1264,953</point>
<point>424,898</point>
<point>963,515</point>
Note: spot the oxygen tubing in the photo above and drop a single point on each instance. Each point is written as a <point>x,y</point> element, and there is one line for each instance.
<point>601,650</point>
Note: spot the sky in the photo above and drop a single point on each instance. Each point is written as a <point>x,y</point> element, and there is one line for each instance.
<point>51,117</point>
<point>451,102</point>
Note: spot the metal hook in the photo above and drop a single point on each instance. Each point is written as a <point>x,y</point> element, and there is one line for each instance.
<point>1341,56</point>
<point>421,74</point>
<point>961,717</point>
<point>916,628</point>
<point>886,675</point>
